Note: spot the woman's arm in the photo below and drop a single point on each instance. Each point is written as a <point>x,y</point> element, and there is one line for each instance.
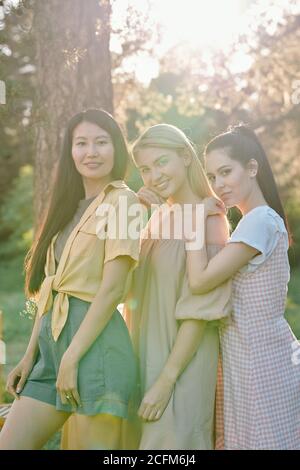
<point>204,275</point>
<point>187,342</point>
<point>17,377</point>
<point>115,273</point>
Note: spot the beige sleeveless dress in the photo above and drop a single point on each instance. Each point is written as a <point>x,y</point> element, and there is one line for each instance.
<point>159,301</point>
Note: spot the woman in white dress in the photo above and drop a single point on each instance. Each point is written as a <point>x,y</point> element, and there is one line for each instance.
<point>261,380</point>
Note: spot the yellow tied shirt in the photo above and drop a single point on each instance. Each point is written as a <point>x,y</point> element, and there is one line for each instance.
<point>80,268</point>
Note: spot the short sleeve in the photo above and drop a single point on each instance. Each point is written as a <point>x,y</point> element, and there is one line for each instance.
<point>261,228</point>
<point>214,305</point>
<point>123,226</point>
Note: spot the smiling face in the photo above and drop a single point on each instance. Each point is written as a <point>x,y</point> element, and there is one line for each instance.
<point>92,151</point>
<point>163,170</point>
<point>231,181</point>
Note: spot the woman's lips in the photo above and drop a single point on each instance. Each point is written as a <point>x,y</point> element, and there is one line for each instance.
<point>93,165</point>
<point>225,195</point>
<point>162,186</point>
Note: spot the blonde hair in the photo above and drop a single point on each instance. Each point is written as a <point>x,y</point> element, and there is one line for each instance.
<point>170,137</point>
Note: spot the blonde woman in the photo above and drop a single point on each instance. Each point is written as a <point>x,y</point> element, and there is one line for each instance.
<point>173,331</point>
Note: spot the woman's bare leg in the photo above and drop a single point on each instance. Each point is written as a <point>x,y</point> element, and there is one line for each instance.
<point>30,424</point>
<point>101,431</point>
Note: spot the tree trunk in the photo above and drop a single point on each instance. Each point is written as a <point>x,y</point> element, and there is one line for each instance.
<point>73,73</point>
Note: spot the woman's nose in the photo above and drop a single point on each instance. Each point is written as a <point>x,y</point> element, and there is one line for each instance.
<point>92,150</point>
<point>219,183</point>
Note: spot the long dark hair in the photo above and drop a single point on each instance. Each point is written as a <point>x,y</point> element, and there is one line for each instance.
<point>242,144</point>
<point>68,190</point>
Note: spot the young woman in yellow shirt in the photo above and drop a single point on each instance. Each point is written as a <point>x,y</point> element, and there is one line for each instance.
<point>79,357</point>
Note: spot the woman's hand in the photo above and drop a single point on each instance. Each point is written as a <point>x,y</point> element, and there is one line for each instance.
<point>156,399</point>
<point>196,218</point>
<point>148,197</point>
<point>66,382</point>
<point>213,206</point>
<point>17,377</point>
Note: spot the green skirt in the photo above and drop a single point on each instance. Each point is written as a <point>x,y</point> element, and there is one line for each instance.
<point>107,373</point>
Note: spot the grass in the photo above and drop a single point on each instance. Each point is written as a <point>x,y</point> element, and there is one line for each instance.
<point>17,329</point>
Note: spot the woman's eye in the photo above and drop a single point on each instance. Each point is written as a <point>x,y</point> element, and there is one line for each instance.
<point>225,172</point>
<point>101,142</point>
<point>162,161</point>
<point>211,179</point>
<point>144,170</point>
<point>80,144</point>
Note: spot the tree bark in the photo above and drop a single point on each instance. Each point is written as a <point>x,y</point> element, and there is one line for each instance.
<point>73,73</point>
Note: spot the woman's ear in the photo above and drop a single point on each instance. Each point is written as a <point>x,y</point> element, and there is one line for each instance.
<point>252,167</point>
<point>186,159</point>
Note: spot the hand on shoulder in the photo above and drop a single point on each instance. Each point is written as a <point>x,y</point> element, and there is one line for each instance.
<point>213,206</point>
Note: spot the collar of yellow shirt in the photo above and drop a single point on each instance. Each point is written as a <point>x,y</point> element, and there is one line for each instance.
<point>54,280</point>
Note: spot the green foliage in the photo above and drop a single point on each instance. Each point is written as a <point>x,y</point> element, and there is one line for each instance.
<point>16,216</point>
<point>17,52</point>
<point>293,214</point>
<point>292,312</point>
